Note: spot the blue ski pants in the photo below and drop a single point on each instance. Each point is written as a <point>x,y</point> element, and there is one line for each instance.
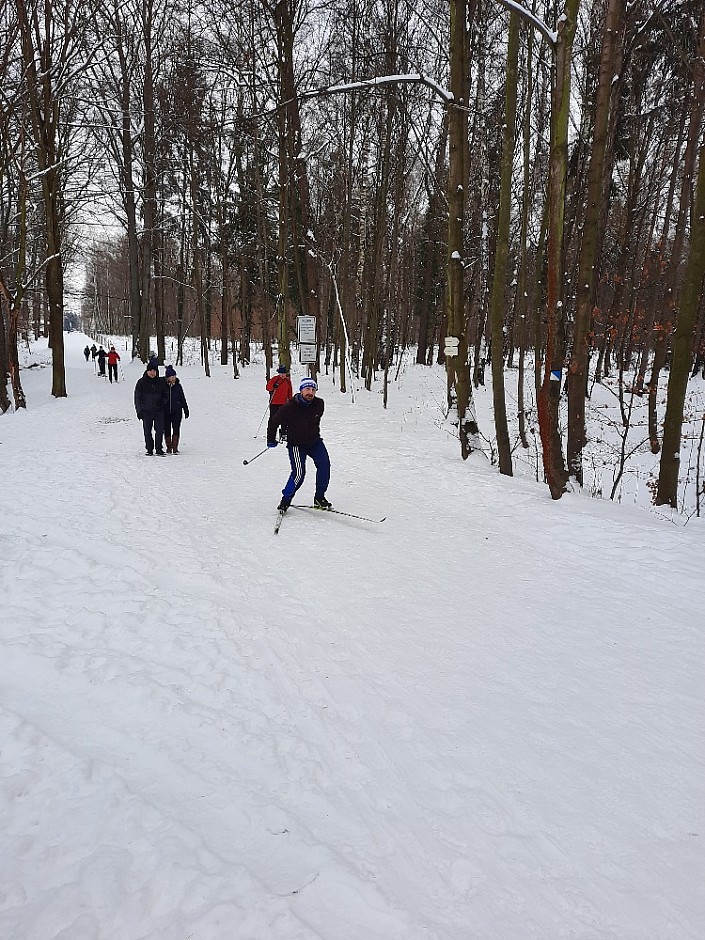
<point>297,459</point>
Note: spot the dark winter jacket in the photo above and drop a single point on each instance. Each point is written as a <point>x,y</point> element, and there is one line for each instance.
<point>101,354</point>
<point>176,400</point>
<point>301,419</point>
<point>150,395</point>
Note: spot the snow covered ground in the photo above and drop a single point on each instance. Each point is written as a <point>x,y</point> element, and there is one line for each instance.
<point>479,720</point>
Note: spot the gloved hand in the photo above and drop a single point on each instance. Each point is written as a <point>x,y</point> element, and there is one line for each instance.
<point>186,413</point>
<point>139,415</point>
<point>271,443</point>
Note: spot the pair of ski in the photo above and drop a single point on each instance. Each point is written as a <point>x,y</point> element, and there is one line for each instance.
<point>338,512</point>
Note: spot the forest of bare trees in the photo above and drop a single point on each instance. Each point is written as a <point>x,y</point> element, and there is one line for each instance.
<point>489,183</point>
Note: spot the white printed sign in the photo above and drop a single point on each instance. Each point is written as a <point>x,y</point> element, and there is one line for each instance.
<point>306,329</point>
<point>452,346</point>
<point>307,352</point>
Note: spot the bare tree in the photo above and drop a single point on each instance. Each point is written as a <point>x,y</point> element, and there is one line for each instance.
<point>499,278</point>
<point>593,230</point>
<point>53,51</point>
<point>549,395</point>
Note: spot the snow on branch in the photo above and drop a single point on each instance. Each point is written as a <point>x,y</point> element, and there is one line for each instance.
<point>549,34</point>
<point>416,77</point>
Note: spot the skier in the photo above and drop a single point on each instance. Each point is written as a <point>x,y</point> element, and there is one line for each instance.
<point>302,419</point>
<point>102,355</point>
<point>113,360</point>
<point>87,353</point>
<point>280,392</point>
<point>94,351</point>
<point>175,407</point>
<point>151,398</point>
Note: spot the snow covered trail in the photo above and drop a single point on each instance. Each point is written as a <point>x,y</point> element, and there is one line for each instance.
<point>480,719</point>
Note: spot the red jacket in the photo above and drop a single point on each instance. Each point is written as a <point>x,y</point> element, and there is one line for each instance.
<point>279,387</point>
<point>113,358</point>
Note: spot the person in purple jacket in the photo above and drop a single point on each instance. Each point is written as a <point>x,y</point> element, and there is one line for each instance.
<point>175,409</point>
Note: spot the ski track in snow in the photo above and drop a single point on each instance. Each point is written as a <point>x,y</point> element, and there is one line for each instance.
<point>482,719</point>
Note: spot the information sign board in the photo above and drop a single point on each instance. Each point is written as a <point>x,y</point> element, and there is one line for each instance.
<point>306,329</point>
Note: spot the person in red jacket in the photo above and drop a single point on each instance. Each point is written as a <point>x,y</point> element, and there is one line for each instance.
<point>280,392</point>
<point>113,360</point>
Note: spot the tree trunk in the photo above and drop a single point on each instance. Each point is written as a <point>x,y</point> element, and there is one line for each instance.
<point>499,277</point>
<point>663,327</point>
<point>682,344</point>
<point>682,349</point>
<point>37,48</point>
<point>592,234</point>
<point>549,397</point>
<point>376,266</point>
<point>4,363</point>
<point>431,258</point>
<point>457,371</point>
<point>128,186</point>
<point>149,198</point>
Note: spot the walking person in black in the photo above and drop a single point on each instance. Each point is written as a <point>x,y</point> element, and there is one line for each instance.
<point>176,407</point>
<point>102,356</point>
<point>94,351</point>
<point>302,419</point>
<point>151,398</point>
<point>87,353</point>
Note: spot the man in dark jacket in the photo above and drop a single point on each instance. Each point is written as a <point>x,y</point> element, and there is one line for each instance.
<point>101,354</point>
<point>151,397</point>
<point>302,419</point>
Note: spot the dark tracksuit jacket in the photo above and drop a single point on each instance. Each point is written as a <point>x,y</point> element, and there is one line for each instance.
<point>301,420</point>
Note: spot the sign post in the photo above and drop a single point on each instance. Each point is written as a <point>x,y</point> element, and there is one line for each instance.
<point>306,336</point>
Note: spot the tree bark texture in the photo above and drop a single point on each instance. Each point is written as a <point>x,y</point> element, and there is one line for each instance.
<point>682,343</point>
<point>549,396</point>
<point>499,276</point>
<point>590,247</point>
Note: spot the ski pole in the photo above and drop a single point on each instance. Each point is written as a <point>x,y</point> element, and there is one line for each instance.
<point>256,456</point>
<point>271,396</point>
<point>262,419</point>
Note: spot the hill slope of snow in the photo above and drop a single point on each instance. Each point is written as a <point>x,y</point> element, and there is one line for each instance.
<point>480,719</point>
